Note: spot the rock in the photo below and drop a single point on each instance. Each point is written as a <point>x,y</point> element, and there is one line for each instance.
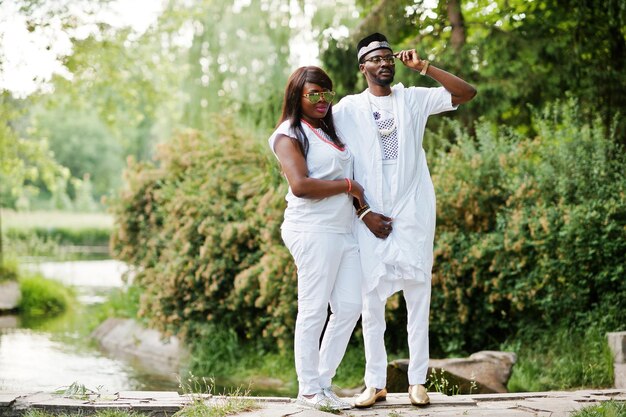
<point>617,343</point>
<point>9,322</point>
<point>619,373</point>
<point>9,295</point>
<point>481,373</point>
<point>125,337</point>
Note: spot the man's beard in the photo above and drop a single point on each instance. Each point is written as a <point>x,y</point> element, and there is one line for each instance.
<point>384,82</point>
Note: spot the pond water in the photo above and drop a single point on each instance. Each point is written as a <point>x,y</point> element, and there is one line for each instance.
<point>47,355</point>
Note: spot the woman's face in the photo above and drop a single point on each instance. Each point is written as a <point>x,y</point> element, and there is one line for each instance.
<point>313,112</point>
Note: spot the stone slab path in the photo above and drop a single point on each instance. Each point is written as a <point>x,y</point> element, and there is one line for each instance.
<point>157,403</point>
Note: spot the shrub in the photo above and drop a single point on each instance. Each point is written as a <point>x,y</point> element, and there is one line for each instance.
<point>202,225</point>
<point>43,297</point>
<point>8,269</point>
<point>531,233</point>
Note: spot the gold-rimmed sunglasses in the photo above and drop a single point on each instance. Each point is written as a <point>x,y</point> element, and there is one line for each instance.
<point>314,98</point>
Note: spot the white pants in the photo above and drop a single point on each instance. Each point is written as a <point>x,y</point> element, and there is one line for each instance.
<point>329,271</point>
<point>417,297</point>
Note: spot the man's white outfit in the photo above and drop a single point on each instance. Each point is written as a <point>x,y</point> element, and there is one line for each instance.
<point>397,184</point>
<point>318,233</point>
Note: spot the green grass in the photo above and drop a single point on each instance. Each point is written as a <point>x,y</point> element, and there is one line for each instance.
<point>606,409</point>
<point>43,297</point>
<point>218,353</point>
<point>561,359</point>
<point>204,403</point>
<point>54,233</point>
<point>352,368</point>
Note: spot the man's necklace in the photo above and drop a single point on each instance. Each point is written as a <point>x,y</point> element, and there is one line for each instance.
<point>383,132</point>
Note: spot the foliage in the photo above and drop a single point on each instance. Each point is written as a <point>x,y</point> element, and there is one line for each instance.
<point>517,53</point>
<point>43,297</point>
<point>120,302</point>
<point>52,233</point>
<point>446,383</point>
<point>83,144</point>
<point>530,233</point>
<point>352,367</point>
<point>23,162</point>
<point>612,408</point>
<point>561,359</point>
<point>90,236</point>
<point>8,270</point>
<point>203,230</point>
<point>205,404</point>
<point>76,391</point>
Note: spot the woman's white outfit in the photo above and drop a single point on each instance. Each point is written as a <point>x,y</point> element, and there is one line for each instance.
<point>318,233</point>
<point>395,176</point>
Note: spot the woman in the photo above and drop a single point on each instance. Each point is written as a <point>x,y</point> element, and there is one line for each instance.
<point>317,230</point>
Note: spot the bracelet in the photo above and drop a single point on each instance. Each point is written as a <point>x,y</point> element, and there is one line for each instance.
<point>425,67</point>
<point>361,209</point>
<point>364,213</point>
<point>349,184</point>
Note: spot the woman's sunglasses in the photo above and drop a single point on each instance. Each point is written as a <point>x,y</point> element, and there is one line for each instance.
<point>314,98</point>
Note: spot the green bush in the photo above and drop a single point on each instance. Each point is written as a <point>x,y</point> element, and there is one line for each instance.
<point>203,226</point>
<point>531,235</point>
<point>8,270</point>
<point>43,297</point>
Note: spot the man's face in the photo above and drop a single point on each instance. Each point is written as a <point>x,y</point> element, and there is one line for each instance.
<point>381,72</point>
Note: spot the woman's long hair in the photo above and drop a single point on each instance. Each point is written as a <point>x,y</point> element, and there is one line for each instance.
<point>292,105</point>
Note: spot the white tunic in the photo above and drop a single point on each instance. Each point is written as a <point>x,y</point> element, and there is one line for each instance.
<point>324,161</point>
<point>408,197</point>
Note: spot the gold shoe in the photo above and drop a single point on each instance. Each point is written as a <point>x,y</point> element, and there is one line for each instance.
<point>418,395</point>
<point>369,397</point>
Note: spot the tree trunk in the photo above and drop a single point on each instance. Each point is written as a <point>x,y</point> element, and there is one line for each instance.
<point>455,17</point>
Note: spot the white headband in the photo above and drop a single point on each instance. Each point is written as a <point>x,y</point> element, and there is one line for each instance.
<point>372,47</point>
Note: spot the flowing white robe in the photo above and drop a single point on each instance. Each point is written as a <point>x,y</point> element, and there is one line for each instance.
<point>407,254</point>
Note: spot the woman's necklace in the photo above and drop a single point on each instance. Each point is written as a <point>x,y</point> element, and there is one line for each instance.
<point>321,135</point>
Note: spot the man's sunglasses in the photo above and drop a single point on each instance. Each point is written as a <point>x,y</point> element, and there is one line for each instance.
<point>377,60</point>
<point>315,98</point>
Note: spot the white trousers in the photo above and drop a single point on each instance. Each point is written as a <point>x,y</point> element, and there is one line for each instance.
<point>417,297</point>
<point>329,271</point>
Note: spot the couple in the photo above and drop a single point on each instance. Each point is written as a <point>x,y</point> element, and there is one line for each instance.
<point>366,151</point>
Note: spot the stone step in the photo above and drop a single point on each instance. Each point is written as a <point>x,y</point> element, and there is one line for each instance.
<point>156,403</point>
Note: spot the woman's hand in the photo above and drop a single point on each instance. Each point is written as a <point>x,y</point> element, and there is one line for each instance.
<point>357,192</point>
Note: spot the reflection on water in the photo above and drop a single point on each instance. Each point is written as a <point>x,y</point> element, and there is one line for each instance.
<point>33,361</point>
<point>87,277</point>
<point>46,355</point>
<point>51,354</point>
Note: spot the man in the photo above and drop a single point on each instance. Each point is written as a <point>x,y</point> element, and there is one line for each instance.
<point>384,128</point>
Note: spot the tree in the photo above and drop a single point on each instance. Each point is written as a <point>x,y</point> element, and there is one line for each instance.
<point>518,53</point>
<point>22,161</point>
